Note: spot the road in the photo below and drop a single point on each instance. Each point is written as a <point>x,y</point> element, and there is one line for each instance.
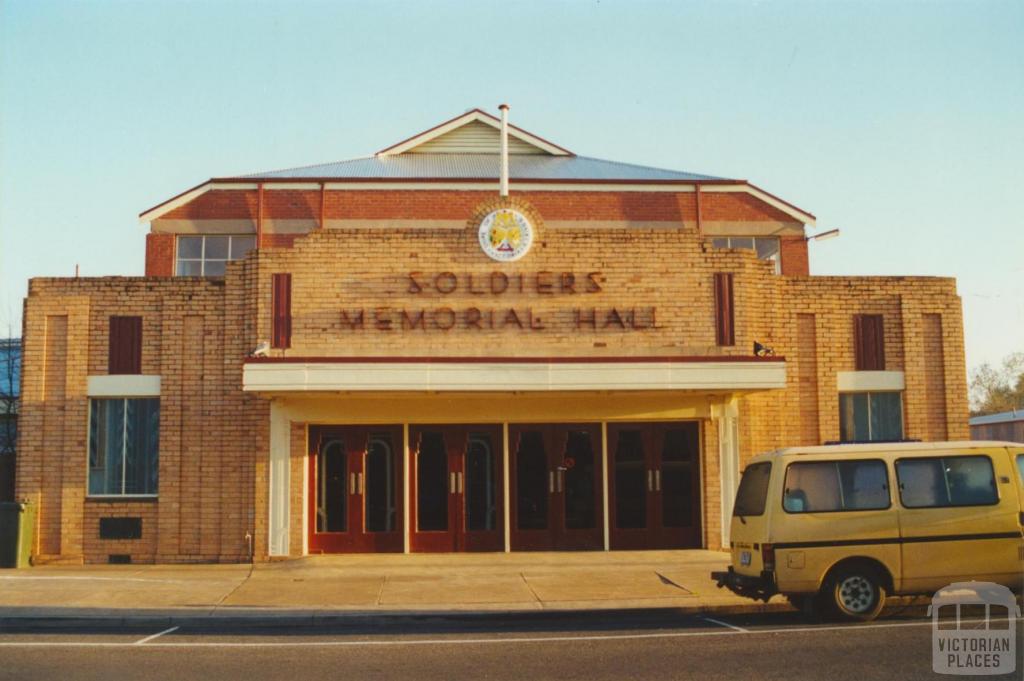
<point>658,644</point>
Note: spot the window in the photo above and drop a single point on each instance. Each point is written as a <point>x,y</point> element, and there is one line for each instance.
<point>767,247</point>
<point>124,442</point>
<point>207,256</point>
<point>1020,467</point>
<point>753,491</point>
<point>822,486</point>
<point>946,481</point>
<point>870,417</point>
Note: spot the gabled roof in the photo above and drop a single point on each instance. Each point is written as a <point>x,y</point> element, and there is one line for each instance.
<point>471,121</point>
<point>475,166</point>
<point>466,149</point>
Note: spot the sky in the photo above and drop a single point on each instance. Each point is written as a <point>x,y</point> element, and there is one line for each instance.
<point>901,124</point>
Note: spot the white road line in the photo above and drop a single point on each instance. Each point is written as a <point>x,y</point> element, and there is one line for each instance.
<point>726,624</point>
<point>449,641</point>
<point>157,635</point>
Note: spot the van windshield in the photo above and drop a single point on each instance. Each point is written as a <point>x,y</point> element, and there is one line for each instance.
<point>753,491</point>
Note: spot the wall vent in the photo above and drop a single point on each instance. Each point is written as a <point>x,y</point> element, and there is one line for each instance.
<point>120,528</point>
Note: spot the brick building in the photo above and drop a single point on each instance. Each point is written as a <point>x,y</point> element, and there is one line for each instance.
<point>392,354</point>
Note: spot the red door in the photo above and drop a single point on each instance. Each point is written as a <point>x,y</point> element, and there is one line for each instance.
<point>355,495</point>
<point>654,485</point>
<point>457,490</point>
<point>556,487</point>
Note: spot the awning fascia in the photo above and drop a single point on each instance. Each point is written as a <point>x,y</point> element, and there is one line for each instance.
<point>297,376</point>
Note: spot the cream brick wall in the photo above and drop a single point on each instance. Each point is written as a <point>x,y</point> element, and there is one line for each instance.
<point>213,443</point>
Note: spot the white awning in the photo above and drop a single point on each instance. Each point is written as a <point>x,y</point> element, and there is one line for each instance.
<point>543,375</point>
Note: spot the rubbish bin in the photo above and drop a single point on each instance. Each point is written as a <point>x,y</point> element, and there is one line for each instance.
<point>17,524</point>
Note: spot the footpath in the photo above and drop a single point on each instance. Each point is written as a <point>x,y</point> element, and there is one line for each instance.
<point>322,588</point>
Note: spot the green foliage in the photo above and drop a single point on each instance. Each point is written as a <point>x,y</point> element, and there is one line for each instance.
<point>998,389</point>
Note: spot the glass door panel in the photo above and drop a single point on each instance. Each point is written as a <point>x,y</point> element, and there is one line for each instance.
<point>332,487</point>
<point>532,482</point>
<point>381,510</point>
<point>631,482</point>
<point>481,503</point>
<point>577,477</point>
<point>676,484</point>
<point>432,482</point>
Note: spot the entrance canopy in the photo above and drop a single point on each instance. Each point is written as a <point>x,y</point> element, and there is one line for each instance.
<point>535,374</point>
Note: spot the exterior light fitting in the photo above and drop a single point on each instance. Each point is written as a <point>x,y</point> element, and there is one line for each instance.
<point>830,234</point>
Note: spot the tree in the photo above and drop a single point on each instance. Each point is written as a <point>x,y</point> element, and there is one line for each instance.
<point>10,379</point>
<point>998,389</point>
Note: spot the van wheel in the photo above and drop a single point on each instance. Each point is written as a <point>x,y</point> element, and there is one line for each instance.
<point>853,593</point>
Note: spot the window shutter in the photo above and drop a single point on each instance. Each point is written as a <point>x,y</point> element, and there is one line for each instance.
<point>281,304</point>
<point>869,342</point>
<point>725,333</point>
<point>125,346</point>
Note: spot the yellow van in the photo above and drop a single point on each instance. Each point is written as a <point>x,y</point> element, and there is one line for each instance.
<point>838,528</point>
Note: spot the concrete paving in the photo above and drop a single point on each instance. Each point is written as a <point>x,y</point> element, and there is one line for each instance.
<point>320,587</point>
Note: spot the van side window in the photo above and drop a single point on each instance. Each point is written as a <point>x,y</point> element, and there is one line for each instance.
<point>1020,467</point>
<point>753,491</point>
<point>823,486</point>
<point>946,481</point>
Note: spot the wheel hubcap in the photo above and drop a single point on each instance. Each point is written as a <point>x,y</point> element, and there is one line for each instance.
<point>856,594</point>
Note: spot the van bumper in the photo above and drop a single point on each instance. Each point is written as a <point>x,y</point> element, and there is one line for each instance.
<point>759,588</point>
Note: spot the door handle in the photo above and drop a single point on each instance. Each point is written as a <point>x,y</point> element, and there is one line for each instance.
<point>460,481</point>
<point>551,482</point>
<point>351,483</point>
<point>451,482</point>
<point>360,478</point>
<point>657,481</point>
<point>650,480</point>
<point>561,480</point>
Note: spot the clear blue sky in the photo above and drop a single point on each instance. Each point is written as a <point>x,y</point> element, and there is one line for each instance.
<point>901,124</point>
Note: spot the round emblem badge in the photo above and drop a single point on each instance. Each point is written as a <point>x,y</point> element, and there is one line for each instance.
<point>505,235</point>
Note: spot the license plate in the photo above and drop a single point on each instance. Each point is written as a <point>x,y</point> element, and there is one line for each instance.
<point>744,558</point>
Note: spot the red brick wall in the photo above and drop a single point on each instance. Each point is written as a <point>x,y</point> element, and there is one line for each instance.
<point>159,255</point>
<point>442,204</point>
<point>217,204</point>
<point>410,204</point>
<point>738,206</point>
<point>279,240</point>
<point>793,251</point>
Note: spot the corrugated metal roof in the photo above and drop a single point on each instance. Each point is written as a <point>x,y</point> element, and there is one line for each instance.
<point>480,166</point>
<point>1002,417</point>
